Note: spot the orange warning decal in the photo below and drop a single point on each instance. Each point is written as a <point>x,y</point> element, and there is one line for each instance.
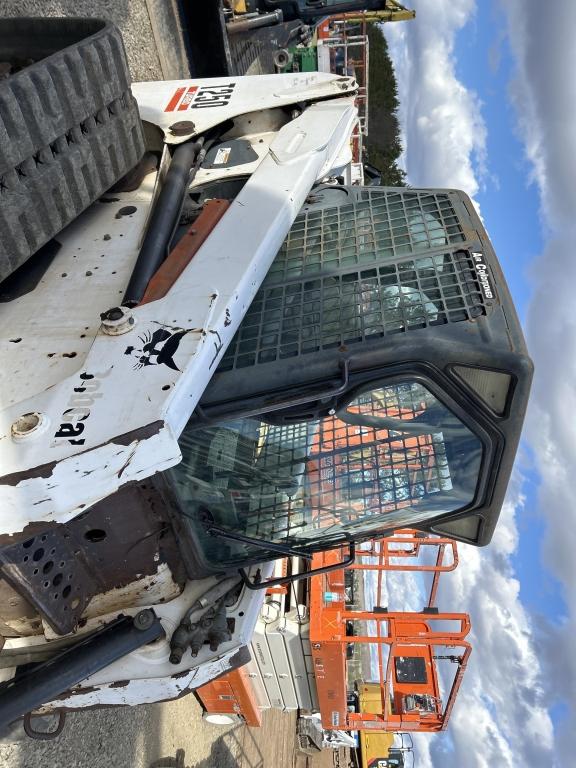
<point>181,98</point>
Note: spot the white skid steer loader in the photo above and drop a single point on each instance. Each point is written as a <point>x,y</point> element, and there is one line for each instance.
<point>214,354</point>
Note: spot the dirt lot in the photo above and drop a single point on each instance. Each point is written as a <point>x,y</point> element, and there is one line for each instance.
<point>170,735</point>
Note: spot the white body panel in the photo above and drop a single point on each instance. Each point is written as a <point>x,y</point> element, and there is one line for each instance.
<point>146,690</point>
<point>205,103</point>
<point>281,648</point>
<point>290,628</point>
<point>257,684</point>
<point>275,640</point>
<point>150,665</point>
<point>208,302</point>
<point>123,425</point>
<point>323,53</point>
<point>265,662</point>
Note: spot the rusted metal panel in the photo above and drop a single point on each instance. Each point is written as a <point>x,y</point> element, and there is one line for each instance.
<point>118,541</point>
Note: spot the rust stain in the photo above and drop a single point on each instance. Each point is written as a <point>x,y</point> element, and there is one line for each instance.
<point>77,692</point>
<point>179,258</point>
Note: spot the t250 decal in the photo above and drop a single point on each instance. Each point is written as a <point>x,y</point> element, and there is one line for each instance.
<point>195,97</point>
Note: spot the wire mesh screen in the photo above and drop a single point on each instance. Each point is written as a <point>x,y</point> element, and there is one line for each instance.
<point>393,448</point>
<point>383,262</point>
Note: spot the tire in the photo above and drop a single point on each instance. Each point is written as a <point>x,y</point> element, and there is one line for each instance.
<point>69,126</point>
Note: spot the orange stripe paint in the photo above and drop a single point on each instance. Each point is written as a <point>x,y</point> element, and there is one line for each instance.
<point>183,253</point>
<point>187,100</point>
<point>174,100</point>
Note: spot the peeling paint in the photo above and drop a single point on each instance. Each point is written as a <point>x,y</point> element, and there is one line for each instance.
<point>128,460</point>
<point>45,470</point>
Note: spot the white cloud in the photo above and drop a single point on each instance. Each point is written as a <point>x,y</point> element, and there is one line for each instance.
<point>544,96</point>
<point>501,715</point>
<point>444,135</point>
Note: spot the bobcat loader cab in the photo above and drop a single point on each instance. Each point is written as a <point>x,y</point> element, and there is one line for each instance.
<point>372,385</point>
<point>222,361</point>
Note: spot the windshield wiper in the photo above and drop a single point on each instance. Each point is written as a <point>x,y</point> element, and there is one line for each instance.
<point>282,549</point>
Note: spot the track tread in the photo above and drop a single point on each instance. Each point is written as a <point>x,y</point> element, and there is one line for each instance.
<point>69,130</point>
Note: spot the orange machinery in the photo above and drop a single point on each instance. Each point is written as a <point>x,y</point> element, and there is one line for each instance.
<point>232,694</point>
<point>409,637</point>
<point>408,681</point>
<point>393,553</point>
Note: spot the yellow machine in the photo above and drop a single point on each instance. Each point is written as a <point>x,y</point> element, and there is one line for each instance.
<point>351,10</point>
<point>377,748</point>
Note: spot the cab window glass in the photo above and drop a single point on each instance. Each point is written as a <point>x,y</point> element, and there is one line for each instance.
<point>395,455</point>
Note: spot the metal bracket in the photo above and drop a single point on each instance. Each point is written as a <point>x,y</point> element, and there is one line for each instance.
<point>30,731</point>
<point>297,576</point>
<point>46,571</point>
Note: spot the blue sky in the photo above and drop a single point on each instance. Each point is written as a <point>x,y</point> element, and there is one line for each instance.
<point>488,104</point>
<point>484,62</point>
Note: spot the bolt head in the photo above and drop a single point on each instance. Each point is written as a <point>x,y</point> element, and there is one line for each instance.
<point>116,321</point>
<point>115,313</point>
<point>182,128</point>
<point>144,619</point>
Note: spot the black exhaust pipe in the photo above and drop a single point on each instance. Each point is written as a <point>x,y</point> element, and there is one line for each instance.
<point>41,683</point>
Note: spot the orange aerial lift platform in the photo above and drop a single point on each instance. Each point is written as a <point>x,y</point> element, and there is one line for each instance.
<point>408,682</point>
<point>394,552</point>
<point>403,647</point>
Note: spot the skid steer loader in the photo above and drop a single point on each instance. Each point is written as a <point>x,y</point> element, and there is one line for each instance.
<point>219,356</point>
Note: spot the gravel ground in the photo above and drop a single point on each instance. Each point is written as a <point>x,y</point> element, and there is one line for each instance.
<point>138,737</point>
<point>132,17</point>
<point>169,735</point>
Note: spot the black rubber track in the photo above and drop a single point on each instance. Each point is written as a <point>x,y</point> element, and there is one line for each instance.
<point>69,127</point>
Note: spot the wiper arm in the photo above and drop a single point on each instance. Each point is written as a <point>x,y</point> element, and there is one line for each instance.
<point>282,549</point>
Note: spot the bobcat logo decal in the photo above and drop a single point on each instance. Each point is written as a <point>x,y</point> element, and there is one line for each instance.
<point>157,348</point>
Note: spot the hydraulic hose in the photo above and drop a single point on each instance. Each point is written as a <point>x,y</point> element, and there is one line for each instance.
<point>163,220</point>
<point>42,683</point>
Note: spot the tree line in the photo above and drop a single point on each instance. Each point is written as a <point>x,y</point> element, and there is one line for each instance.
<point>383,145</point>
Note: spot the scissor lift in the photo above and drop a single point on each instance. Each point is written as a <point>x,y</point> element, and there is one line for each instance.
<point>405,551</point>
<point>407,682</point>
<point>311,634</point>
